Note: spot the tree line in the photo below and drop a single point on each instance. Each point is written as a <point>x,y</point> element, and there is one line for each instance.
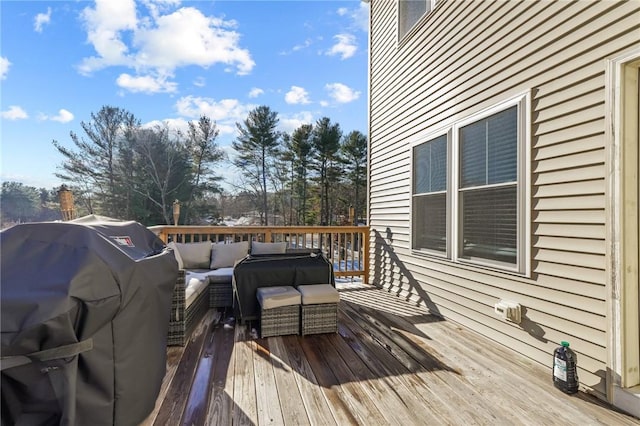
<point>22,203</point>
<point>119,168</point>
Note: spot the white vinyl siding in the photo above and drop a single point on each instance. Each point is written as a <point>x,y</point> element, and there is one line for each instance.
<point>465,57</point>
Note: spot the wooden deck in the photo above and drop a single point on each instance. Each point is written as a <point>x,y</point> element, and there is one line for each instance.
<point>390,363</point>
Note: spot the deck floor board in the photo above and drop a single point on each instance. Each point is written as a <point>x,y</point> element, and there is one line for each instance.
<point>200,394</point>
<point>269,409</point>
<point>244,390</point>
<point>220,404</point>
<point>315,403</point>
<point>173,406</point>
<point>288,393</point>
<point>354,389</point>
<point>391,363</point>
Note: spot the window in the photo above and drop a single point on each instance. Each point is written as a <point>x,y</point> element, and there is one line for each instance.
<point>470,187</point>
<point>410,12</point>
<point>430,195</point>
<point>487,191</point>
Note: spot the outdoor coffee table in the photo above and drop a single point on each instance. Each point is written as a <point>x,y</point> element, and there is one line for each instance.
<point>276,270</point>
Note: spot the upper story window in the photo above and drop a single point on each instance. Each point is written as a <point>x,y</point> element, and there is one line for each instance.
<point>410,12</point>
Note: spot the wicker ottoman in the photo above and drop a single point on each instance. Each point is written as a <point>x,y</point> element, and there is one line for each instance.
<point>319,308</point>
<point>279,311</point>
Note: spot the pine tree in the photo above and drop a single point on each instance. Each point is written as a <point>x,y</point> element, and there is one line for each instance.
<point>354,154</point>
<point>94,162</point>
<point>257,148</point>
<point>325,141</point>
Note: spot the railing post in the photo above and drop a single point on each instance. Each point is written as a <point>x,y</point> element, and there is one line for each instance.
<point>366,241</point>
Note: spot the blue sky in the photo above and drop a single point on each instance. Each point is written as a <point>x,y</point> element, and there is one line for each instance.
<point>172,61</point>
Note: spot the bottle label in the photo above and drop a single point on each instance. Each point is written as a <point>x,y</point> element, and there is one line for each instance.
<point>560,369</point>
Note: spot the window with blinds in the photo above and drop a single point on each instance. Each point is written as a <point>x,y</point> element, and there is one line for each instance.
<point>488,196</point>
<point>430,195</point>
<point>470,189</point>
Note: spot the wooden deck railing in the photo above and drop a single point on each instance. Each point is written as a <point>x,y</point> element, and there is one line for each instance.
<point>347,247</point>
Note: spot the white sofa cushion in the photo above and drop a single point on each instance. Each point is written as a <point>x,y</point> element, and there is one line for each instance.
<point>194,255</point>
<point>220,275</point>
<point>314,294</point>
<point>226,255</point>
<point>276,297</point>
<point>268,248</point>
<point>196,283</point>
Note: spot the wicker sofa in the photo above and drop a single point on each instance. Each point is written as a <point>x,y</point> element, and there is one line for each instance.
<point>205,281</point>
<point>184,317</point>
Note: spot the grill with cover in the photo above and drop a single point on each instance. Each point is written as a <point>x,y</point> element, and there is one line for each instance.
<point>84,317</point>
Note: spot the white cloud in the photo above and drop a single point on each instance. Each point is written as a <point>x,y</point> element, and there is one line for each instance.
<point>187,37</point>
<point>14,113</point>
<point>41,19</point>
<point>341,93</point>
<point>174,125</point>
<point>308,42</point>
<point>359,16</point>
<point>104,25</point>
<point>145,84</point>
<point>63,116</point>
<point>345,46</point>
<point>255,92</point>
<point>301,46</point>
<point>4,67</point>
<point>160,42</point>
<point>157,6</point>
<point>225,112</point>
<point>289,123</point>
<point>297,95</point>
<point>200,82</point>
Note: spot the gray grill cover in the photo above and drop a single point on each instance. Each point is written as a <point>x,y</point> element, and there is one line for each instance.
<point>84,318</point>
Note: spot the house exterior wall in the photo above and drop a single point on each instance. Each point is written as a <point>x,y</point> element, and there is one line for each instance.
<point>462,58</point>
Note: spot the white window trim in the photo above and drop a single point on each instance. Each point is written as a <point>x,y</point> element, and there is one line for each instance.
<point>419,140</point>
<point>523,261</point>
<point>622,306</point>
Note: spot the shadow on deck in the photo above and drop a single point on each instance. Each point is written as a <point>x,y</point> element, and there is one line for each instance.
<point>389,363</point>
